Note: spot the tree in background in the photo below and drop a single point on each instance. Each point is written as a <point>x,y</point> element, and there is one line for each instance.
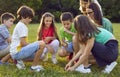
<point>13,5</point>
<point>111,8</point>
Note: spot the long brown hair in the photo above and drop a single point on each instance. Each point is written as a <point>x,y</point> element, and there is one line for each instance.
<point>42,24</point>
<point>97,13</point>
<point>85,28</point>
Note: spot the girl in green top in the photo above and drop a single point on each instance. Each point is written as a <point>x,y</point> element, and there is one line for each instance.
<point>91,39</point>
<point>93,11</point>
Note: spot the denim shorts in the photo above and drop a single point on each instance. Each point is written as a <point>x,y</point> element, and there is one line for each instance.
<point>4,51</point>
<point>27,52</point>
<point>69,47</point>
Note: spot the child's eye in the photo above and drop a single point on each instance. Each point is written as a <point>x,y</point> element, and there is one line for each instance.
<point>47,21</point>
<point>11,20</point>
<point>67,24</point>
<point>50,21</point>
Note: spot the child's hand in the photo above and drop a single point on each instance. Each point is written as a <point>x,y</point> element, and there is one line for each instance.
<point>47,40</point>
<point>65,44</point>
<point>68,65</point>
<point>42,44</point>
<point>66,30</point>
<point>9,40</point>
<point>70,69</point>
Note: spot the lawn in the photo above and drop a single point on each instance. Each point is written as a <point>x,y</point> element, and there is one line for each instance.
<point>52,70</point>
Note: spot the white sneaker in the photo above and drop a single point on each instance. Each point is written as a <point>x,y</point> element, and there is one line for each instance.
<point>81,69</point>
<point>20,64</point>
<point>54,60</point>
<point>37,68</point>
<point>109,68</point>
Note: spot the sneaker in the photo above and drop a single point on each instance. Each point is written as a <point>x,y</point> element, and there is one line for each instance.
<point>54,60</point>
<point>81,69</point>
<point>36,68</point>
<point>109,68</point>
<point>20,64</point>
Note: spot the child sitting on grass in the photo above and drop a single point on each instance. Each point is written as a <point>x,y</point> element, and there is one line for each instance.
<point>47,32</point>
<point>20,48</point>
<point>66,33</point>
<point>7,20</point>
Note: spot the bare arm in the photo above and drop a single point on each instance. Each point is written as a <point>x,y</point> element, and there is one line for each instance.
<point>76,45</point>
<point>9,39</point>
<point>69,32</point>
<point>86,53</point>
<point>49,38</point>
<point>76,56</point>
<point>63,43</point>
<point>84,56</point>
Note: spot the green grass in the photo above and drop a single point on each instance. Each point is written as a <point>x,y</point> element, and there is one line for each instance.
<point>52,70</point>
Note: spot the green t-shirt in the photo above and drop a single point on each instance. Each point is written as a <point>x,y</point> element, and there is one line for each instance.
<point>66,36</point>
<point>107,24</point>
<point>103,36</point>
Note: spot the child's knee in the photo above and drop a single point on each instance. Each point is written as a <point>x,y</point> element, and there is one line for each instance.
<point>74,37</point>
<point>56,42</point>
<point>55,45</point>
<point>62,53</point>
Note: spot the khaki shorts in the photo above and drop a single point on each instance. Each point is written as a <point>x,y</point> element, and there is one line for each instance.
<point>4,51</point>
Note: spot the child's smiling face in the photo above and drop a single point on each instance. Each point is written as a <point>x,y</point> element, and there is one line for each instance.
<point>48,21</point>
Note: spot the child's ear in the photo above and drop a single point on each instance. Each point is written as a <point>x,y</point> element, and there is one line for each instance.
<point>4,21</point>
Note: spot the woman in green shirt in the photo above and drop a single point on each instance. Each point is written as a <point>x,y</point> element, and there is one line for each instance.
<point>93,11</point>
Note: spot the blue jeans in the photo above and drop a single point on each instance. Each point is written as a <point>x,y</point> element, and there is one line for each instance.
<point>27,52</point>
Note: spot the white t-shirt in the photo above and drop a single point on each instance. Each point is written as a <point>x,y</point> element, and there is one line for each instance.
<point>20,30</point>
